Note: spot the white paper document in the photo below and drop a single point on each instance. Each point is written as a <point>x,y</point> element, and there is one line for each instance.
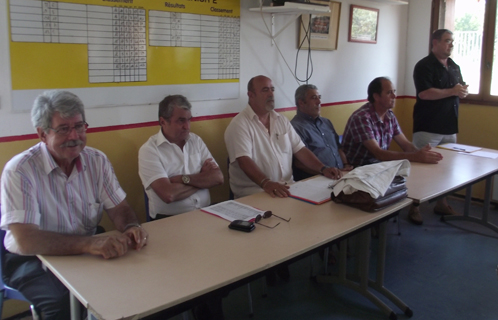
<point>458,147</point>
<point>316,190</point>
<point>232,210</point>
<point>482,154</point>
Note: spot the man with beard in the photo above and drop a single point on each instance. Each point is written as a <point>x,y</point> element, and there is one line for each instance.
<point>52,198</point>
<point>261,144</point>
<point>317,133</point>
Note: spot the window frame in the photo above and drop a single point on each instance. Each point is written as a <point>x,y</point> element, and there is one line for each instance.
<point>439,18</point>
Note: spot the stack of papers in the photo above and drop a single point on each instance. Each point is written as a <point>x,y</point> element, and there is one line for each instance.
<point>232,210</point>
<point>315,190</point>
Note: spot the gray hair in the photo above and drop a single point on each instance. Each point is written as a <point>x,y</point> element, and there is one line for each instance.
<point>67,104</point>
<point>169,103</point>
<point>301,92</point>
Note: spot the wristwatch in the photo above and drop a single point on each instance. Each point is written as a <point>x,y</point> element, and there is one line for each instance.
<point>323,168</point>
<point>185,179</point>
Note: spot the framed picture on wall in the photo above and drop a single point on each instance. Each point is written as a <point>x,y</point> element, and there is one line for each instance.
<point>320,31</point>
<point>363,24</point>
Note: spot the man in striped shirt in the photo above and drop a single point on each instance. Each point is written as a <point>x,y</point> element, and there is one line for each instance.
<point>52,199</point>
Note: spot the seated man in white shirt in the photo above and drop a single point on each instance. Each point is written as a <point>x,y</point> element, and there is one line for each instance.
<point>261,144</point>
<point>175,166</point>
<point>53,197</point>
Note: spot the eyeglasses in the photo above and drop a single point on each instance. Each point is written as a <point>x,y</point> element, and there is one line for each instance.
<point>266,215</point>
<point>66,130</point>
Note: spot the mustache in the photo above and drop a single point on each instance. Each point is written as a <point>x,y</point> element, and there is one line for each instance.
<point>72,143</point>
<point>270,100</point>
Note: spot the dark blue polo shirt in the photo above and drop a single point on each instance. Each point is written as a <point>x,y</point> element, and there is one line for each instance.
<point>320,137</point>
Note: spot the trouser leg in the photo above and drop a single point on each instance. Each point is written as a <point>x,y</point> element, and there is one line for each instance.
<point>41,287</point>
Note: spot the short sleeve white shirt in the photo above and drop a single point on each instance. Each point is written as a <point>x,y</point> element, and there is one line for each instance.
<point>272,153</point>
<point>159,158</point>
<point>35,190</point>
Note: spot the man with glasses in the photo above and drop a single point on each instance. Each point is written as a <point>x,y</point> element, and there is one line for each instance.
<point>52,198</point>
<point>175,165</point>
<point>439,86</point>
<point>317,133</point>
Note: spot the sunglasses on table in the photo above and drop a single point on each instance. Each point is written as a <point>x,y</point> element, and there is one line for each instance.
<point>266,215</point>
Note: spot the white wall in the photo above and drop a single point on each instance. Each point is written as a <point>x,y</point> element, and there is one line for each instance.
<point>341,75</point>
<point>419,23</point>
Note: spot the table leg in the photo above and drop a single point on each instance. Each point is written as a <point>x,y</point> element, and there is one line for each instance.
<point>468,201</point>
<point>378,284</point>
<point>485,210</point>
<point>361,282</point>
<point>75,308</point>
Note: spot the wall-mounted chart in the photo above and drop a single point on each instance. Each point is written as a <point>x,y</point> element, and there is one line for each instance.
<point>127,52</point>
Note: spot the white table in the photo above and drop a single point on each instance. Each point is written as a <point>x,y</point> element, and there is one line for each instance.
<point>195,253</point>
<point>456,171</point>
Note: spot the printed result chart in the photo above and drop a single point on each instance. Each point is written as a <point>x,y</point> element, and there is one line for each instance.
<point>116,36</point>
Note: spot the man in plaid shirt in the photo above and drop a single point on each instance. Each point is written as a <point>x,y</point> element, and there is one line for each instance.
<point>371,128</point>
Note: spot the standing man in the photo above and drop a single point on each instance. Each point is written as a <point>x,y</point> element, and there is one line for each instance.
<point>175,166</point>
<point>52,198</point>
<point>439,87</point>
<point>317,133</point>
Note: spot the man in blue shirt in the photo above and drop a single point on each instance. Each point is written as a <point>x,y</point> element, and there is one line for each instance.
<point>316,132</point>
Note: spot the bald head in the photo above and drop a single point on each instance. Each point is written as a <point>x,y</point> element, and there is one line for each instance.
<point>260,91</point>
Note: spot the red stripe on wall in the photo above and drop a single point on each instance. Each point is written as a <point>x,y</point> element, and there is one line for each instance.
<point>119,127</point>
<point>155,123</point>
<point>18,138</point>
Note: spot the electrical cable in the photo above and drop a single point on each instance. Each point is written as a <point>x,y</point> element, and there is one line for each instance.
<point>307,35</point>
<point>273,39</point>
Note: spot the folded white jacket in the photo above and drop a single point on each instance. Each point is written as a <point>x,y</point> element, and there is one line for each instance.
<point>373,178</point>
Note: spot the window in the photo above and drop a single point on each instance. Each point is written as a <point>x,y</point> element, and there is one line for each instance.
<point>473,23</point>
